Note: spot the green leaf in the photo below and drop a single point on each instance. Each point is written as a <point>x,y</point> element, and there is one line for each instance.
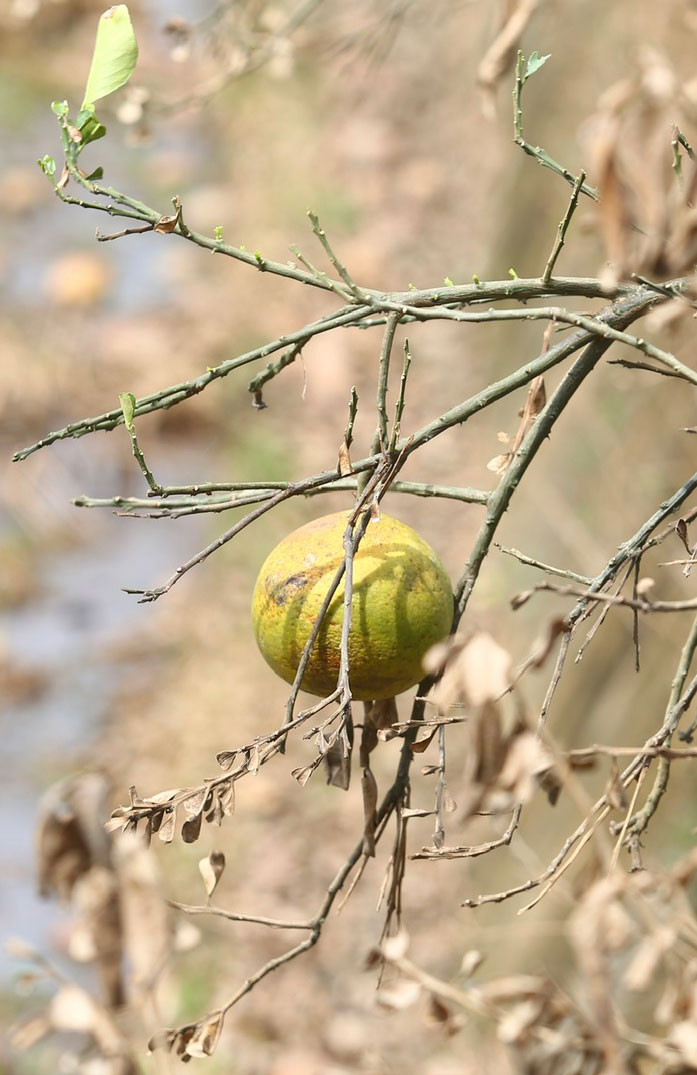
<point>60,107</point>
<point>128,406</point>
<point>47,165</point>
<point>98,173</point>
<point>114,57</point>
<point>84,116</point>
<point>677,160</point>
<point>535,62</point>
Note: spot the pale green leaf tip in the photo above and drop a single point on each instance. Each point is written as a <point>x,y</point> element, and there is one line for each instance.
<point>128,406</point>
<point>114,57</point>
<point>535,62</point>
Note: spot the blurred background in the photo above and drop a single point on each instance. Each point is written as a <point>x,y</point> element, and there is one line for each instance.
<point>386,121</point>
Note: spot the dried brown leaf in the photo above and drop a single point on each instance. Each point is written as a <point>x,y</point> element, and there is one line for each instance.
<point>440,1015</point>
<point>167,224</point>
<point>205,1039</point>
<point>383,713</point>
<point>683,1038</point>
<point>71,1008</point>
<point>500,464</point>
<point>423,740</point>
<point>155,822</point>
<point>115,824</point>
<point>191,829</point>
<point>550,782</point>
<point>211,869</point>
<point>303,774</point>
<point>345,467</point>
<point>70,833</point>
<point>194,804</point>
<point>160,797</point>
<point>526,760</point>
<point>369,789</point>
<point>485,669</point>
<point>647,957</point>
<point>168,826</point>
<point>254,760</point>
<point>614,791</point>
<point>613,213</point>
<point>226,758</point>
<point>488,744</point>
<point>542,646</point>
<point>373,959</point>
<point>476,671</point>
<point>145,916</point>
<point>471,961</point>
<point>514,987</point>
<point>514,1025</point>
<point>681,531</point>
<point>225,796</point>
<point>397,946</point>
<point>28,1034</point>
<point>534,404</point>
<point>399,995</point>
<point>337,760</point>
<point>520,599</point>
<point>670,1004</point>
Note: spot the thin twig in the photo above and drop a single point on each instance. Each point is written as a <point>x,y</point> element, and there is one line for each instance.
<point>219,912</point>
<point>385,355</point>
<point>473,850</point>
<point>563,228</point>
<point>639,604</point>
<point>357,292</point>
<point>439,830</point>
<point>399,407</point>
<point>269,372</point>
<point>562,572</point>
<point>639,821</point>
<point>539,154</point>
<point>178,506</point>
<point>353,411</point>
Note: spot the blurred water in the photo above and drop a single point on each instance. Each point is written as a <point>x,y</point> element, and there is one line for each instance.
<point>65,634</point>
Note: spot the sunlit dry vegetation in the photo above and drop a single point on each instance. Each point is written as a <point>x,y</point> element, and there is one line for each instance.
<point>482,325</point>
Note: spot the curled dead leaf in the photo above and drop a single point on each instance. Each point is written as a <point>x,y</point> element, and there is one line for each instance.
<point>211,869</point>
<point>397,946</point>
<point>205,1038</point>
<point>344,463</point>
<point>398,996</point>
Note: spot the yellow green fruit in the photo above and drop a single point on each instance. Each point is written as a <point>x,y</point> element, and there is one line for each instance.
<point>402,605</point>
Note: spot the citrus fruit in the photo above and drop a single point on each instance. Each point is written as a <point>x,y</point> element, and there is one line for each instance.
<point>402,605</point>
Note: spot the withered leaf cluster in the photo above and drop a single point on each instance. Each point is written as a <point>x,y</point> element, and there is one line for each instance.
<point>122,925</point>
<point>633,940</point>
<point>505,759</point>
<point>187,808</point>
<point>646,178</point>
